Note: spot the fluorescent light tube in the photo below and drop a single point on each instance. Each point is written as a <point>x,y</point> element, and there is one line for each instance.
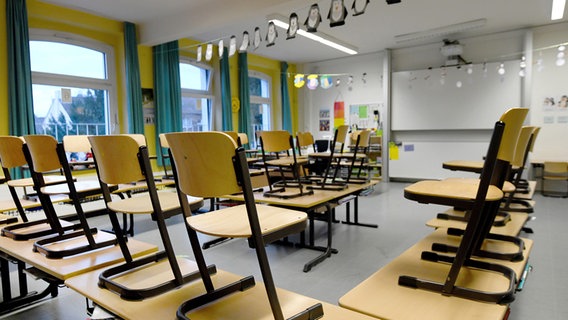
<point>557,9</point>
<point>319,37</point>
<point>442,31</point>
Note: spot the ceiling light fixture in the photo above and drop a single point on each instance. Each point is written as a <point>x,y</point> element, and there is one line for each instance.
<point>318,37</point>
<point>442,31</point>
<point>557,9</point>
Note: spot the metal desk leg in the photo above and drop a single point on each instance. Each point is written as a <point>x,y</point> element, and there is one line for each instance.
<point>355,215</point>
<point>327,251</point>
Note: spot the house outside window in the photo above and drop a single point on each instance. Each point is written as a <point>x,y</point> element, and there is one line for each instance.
<point>260,102</point>
<point>72,85</point>
<point>196,96</point>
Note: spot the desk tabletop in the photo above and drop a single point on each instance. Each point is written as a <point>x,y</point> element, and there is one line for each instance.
<point>73,265</point>
<point>318,198</point>
<point>382,297</point>
<point>249,304</point>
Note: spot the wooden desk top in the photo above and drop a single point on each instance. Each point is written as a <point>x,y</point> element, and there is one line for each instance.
<point>249,304</point>
<point>74,265</point>
<point>464,165</point>
<point>318,198</point>
<point>382,297</point>
<point>9,205</point>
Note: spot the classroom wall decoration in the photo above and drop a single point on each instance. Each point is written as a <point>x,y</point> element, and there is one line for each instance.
<point>338,113</point>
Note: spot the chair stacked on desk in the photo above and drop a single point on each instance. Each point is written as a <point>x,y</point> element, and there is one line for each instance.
<point>120,159</point>
<point>12,158</point>
<point>471,264</point>
<point>197,175</point>
<point>44,154</point>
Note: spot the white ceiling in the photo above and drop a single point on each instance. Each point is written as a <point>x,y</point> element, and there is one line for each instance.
<point>211,20</point>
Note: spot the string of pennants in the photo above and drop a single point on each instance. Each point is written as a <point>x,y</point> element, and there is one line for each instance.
<point>336,15</point>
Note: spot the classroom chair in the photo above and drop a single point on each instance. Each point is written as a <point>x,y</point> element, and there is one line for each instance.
<point>513,203</point>
<point>165,155</point>
<point>328,179</point>
<point>358,157</point>
<point>305,144</point>
<point>120,159</point>
<point>483,200</point>
<point>12,158</point>
<point>197,175</point>
<point>44,155</point>
<point>277,148</point>
<point>554,172</point>
<point>521,183</point>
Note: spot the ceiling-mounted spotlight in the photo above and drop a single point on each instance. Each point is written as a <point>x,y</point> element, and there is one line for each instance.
<point>393,1</point>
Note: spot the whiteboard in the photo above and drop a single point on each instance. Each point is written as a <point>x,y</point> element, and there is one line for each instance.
<point>452,98</point>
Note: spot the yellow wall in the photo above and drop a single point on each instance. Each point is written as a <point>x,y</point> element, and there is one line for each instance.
<point>46,16</point>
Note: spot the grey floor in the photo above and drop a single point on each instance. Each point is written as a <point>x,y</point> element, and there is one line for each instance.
<point>362,251</point>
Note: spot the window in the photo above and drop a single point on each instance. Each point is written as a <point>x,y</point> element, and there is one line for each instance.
<point>72,85</point>
<point>260,102</point>
<point>196,96</point>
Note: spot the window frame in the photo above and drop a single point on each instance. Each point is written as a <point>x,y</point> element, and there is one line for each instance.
<point>261,100</point>
<point>201,94</point>
<point>61,80</point>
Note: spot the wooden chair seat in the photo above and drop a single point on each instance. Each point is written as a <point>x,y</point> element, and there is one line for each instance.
<point>437,191</point>
<point>83,186</point>
<point>232,222</point>
<point>142,204</point>
<point>28,182</point>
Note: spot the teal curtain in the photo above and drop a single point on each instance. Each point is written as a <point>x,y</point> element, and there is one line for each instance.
<point>133,87</point>
<point>20,99</point>
<point>244,96</point>
<point>286,112</point>
<point>167,91</point>
<point>227,111</point>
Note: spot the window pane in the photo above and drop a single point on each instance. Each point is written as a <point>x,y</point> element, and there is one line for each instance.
<point>195,114</point>
<point>258,87</point>
<point>69,111</point>
<point>67,59</point>
<point>193,77</point>
<point>260,116</point>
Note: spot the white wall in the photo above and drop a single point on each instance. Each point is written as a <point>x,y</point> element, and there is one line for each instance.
<point>549,80</point>
<point>359,92</point>
<point>422,152</point>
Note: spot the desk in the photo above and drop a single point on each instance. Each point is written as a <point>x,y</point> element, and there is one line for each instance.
<point>54,271</point>
<point>381,296</point>
<point>250,304</point>
<point>320,202</point>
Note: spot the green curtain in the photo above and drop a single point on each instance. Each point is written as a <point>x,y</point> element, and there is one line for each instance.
<point>244,96</point>
<point>20,99</point>
<point>227,111</point>
<point>167,91</point>
<point>286,112</point>
<point>133,87</point>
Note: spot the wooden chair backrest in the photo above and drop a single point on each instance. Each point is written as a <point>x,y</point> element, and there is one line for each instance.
<point>305,139</point>
<point>535,134</point>
<point>340,137</point>
<point>11,154</point>
<point>163,140</point>
<point>234,135</point>
<point>77,143</point>
<point>364,137</point>
<point>138,137</point>
<point>556,167</point>
<point>275,141</point>
<point>522,145</point>
<point>244,138</point>
<point>204,163</point>
<point>43,152</point>
<point>513,119</point>
<point>117,158</point>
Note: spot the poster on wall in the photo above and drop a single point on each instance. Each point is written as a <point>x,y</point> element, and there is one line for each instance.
<point>367,116</point>
<point>554,109</point>
<point>338,113</point>
<point>324,118</point>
